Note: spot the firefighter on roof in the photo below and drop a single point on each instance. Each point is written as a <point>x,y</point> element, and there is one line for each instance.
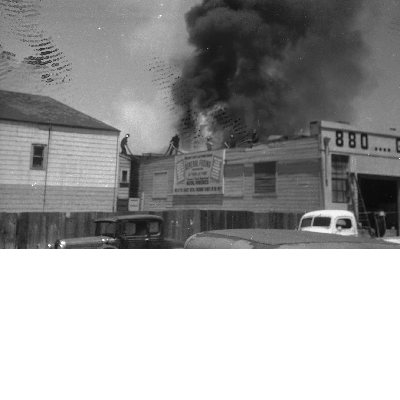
<point>124,145</point>
<point>173,145</point>
<point>254,137</point>
<point>209,144</point>
<point>231,143</point>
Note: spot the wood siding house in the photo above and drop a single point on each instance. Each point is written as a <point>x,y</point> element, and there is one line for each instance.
<point>335,166</point>
<point>284,176</point>
<point>54,158</point>
<point>123,183</point>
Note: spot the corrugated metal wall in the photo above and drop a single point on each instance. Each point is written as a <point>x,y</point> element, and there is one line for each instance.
<point>298,180</point>
<point>80,174</point>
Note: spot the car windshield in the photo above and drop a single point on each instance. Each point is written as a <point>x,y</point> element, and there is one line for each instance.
<point>306,222</point>
<point>140,228</point>
<point>322,222</point>
<point>105,228</point>
<point>154,227</point>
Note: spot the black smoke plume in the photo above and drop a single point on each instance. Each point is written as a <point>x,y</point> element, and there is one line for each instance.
<point>275,64</point>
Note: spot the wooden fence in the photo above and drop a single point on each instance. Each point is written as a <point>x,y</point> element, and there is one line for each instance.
<point>36,230</point>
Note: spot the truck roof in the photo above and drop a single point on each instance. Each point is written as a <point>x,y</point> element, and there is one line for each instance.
<point>329,213</point>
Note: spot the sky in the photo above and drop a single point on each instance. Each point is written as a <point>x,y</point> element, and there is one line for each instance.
<point>122,56</point>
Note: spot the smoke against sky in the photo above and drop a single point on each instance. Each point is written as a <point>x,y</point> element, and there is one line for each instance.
<point>277,64</point>
<point>109,45</point>
<point>31,59</point>
<point>113,48</point>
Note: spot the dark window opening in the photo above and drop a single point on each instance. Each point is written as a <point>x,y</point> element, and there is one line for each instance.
<point>38,158</point>
<point>265,178</point>
<point>339,178</point>
<point>124,183</point>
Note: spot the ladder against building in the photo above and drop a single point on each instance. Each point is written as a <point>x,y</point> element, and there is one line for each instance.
<point>358,204</point>
<point>372,221</point>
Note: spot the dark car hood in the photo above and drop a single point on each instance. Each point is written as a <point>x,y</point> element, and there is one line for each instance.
<point>279,239</point>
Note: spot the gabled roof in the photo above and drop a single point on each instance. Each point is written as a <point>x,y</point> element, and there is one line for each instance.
<point>24,107</point>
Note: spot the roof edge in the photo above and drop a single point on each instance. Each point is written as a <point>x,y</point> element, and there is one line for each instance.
<point>63,125</point>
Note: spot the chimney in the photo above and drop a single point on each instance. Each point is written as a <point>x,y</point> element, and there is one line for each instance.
<point>315,128</point>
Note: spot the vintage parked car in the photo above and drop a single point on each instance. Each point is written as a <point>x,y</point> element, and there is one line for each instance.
<point>279,239</point>
<point>123,232</point>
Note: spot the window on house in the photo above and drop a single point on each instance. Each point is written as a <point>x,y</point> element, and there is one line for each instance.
<point>38,156</point>
<point>124,176</point>
<point>124,179</point>
<point>234,180</point>
<point>339,178</point>
<point>265,178</point>
<point>160,185</point>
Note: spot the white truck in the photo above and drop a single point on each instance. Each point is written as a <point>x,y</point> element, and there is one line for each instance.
<point>329,221</point>
<point>341,222</point>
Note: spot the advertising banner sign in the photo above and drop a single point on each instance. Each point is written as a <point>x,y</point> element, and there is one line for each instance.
<point>199,173</point>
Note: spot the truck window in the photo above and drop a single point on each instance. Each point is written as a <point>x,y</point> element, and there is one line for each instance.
<point>128,228</point>
<point>134,228</point>
<point>306,222</point>
<point>322,221</point>
<point>105,228</point>
<point>141,228</point>
<point>344,223</point>
<point>154,227</point>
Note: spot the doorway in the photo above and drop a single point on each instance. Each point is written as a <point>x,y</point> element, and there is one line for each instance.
<point>380,194</point>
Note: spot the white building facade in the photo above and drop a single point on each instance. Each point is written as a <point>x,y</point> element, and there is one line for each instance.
<point>54,158</point>
<point>336,166</point>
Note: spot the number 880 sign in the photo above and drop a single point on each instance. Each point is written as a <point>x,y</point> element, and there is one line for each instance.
<point>351,140</point>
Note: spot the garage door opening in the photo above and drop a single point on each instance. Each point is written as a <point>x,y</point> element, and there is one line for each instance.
<point>380,194</point>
